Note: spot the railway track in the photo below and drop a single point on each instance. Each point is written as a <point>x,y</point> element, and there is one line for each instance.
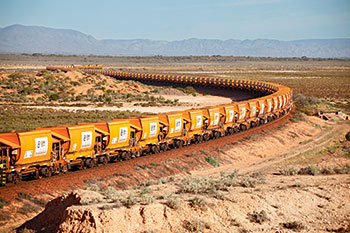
<point>43,152</point>
<point>76,179</point>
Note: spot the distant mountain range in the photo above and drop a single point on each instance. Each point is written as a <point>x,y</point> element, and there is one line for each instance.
<point>33,39</point>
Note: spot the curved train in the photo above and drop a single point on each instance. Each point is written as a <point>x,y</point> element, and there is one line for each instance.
<point>47,151</point>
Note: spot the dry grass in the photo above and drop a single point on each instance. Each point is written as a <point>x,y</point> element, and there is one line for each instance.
<point>14,117</point>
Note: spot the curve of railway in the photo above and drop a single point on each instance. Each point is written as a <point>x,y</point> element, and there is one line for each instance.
<point>272,105</point>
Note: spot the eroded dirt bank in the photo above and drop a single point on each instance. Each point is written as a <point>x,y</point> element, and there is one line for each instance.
<point>311,203</point>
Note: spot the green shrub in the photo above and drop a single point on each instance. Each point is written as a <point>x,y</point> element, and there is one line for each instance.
<point>54,97</point>
<point>212,161</point>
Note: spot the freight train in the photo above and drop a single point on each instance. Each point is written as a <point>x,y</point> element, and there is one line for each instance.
<point>52,150</point>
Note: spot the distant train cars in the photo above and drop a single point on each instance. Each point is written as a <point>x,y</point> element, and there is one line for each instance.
<point>48,151</point>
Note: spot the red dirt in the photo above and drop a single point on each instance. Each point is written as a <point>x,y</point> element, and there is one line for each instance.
<point>75,179</point>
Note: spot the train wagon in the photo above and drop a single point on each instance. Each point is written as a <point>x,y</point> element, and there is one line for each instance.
<point>79,150</point>
<point>230,118</point>
<point>194,127</point>
<point>174,131</point>
<point>27,154</point>
<point>242,116</point>
<point>214,122</point>
<point>147,135</point>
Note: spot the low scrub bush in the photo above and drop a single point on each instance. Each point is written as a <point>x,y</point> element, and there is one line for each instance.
<point>111,193</point>
<point>310,170</point>
<point>130,201</point>
<point>294,225</point>
<point>302,100</point>
<point>258,217</point>
<point>291,171</point>
<point>212,161</point>
<point>198,202</point>
<point>195,225</point>
<point>146,199</point>
<point>173,202</point>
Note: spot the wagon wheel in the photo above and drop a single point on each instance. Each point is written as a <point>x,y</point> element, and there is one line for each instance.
<point>136,154</point>
<point>104,160</point>
<point>163,147</point>
<point>49,172</point>
<point>128,155</point>
<point>155,149</point>
<point>216,134</point>
<point>123,155</point>
<point>252,124</point>
<point>230,131</point>
<point>262,121</point>
<point>181,144</point>
<point>16,179</point>
<point>243,127</point>
<point>37,174</point>
<point>199,138</point>
<point>64,169</point>
<point>81,165</point>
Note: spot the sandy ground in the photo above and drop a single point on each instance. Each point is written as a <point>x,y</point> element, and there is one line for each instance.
<point>187,102</point>
<point>318,203</point>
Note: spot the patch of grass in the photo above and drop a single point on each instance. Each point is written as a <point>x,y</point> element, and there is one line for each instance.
<point>212,161</point>
<point>258,217</point>
<point>250,182</point>
<point>198,202</point>
<point>22,118</point>
<point>129,201</point>
<point>146,199</point>
<point>145,190</point>
<point>219,195</point>
<point>111,193</point>
<point>195,225</point>
<point>310,170</point>
<point>173,202</point>
<point>316,170</point>
<point>291,171</point>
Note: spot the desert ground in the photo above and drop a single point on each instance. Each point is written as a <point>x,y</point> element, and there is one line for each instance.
<point>290,176</point>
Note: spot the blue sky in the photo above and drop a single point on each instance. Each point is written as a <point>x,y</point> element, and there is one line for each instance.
<point>183,19</point>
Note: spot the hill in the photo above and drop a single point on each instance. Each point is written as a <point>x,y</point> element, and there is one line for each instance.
<point>34,39</point>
